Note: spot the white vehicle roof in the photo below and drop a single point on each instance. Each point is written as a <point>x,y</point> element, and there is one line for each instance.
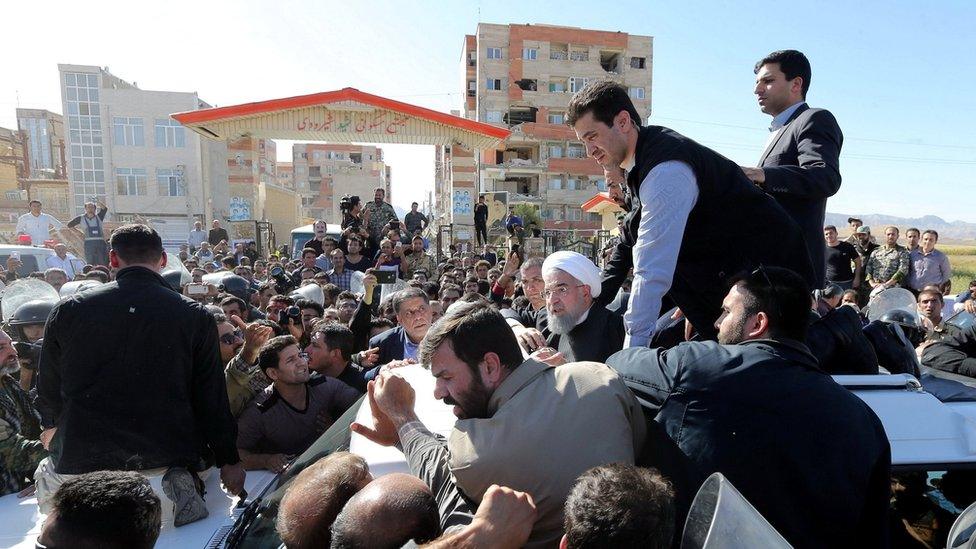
<point>329,229</point>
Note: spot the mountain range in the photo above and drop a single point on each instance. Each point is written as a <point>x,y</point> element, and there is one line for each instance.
<point>955,230</point>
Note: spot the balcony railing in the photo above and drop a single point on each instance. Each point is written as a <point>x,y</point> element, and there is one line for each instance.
<point>558,55</point>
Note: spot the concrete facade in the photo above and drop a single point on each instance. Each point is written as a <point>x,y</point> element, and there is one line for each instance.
<point>324,173</point>
<point>123,148</point>
<point>522,77</point>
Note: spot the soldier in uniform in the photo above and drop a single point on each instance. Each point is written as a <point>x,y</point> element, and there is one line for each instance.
<point>20,447</point>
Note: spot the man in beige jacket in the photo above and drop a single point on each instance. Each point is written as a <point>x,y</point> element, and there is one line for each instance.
<point>521,423</point>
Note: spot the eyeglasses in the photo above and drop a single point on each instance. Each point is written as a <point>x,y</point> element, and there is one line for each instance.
<point>559,291</point>
<point>229,339</point>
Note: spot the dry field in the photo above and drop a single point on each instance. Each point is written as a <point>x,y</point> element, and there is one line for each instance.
<point>962,259</point>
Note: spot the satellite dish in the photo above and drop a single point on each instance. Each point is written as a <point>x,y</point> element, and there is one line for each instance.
<point>24,290</point>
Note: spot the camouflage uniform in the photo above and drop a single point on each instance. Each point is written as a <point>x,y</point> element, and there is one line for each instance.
<point>888,263</point>
<point>20,449</point>
<point>378,217</point>
<point>244,381</point>
<point>419,262</point>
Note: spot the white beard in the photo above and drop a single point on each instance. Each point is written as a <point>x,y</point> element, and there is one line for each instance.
<point>564,322</point>
<point>10,368</point>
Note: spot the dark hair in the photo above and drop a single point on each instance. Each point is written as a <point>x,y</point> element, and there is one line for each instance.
<point>792,63</point>
<point>309,304</point>
<point>783,295</point>
<point>266,286</point>
<point>137,243</point>
<point>346,295</point>
<point>337,336</point>
<point>268,355</point>
<point>282,298</point>
<point>330,240</point>
<point>105,509</point>
<point>914,229</point>
<point>480,328</point>
<point>100,275</point>
<point>830,228</point>
<point>408,293</point>
<point>381,323</point>
<point>622,506</point>
<point>605,99</point>
<point>431,289</point>
<point>307,250</point>
<point>234,300</point>
<point>932,232</point>
<point>931,291</point>
<point>278,330</point>
<point>853,219</point>
<point>450,288</point>
<point>32,202</point>
<point>520,302</point>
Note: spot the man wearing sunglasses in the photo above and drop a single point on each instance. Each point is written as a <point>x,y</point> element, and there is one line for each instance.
<point>239,346</point>
<point>811,456</point>
<point>288,416</point>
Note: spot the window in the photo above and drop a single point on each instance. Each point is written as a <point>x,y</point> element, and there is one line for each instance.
<point>472,88</point>
<point>572,184</point>
<point>557,86</point>
<point>637,62</point>
<point>494,83</point>
<point>558,52</point>
<point>557,118</point>
<point>170,133</point>
<point>128,131</point>
<point>577,83</point>
<point>636,93</point>
<point>556,184</point>
<point>576,151</point>
<point>555,151</point>
<point>494,53</point>
<point>13,195</point>
<point>169,182</point>
<point>493,116</point>
<point>594,217</point>
<point>574,214</point>
<point>555,214</point>
<point>131,181</point>
<point>579,54</point>
<point>530,54</point>
<point>601,184</point>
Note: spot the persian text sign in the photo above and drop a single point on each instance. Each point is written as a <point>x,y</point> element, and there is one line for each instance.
<point>353,122</point>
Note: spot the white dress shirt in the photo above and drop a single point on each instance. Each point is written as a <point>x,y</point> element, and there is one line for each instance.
<point>667,196</point>
<point>67,264</point>
<point>37,226</point>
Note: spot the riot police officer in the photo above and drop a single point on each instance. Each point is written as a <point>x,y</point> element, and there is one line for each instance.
<point>27,330</point>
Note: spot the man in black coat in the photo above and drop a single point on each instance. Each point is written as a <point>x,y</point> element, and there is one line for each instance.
<point>130,375</point>
<point>697,219</point>
<point>575,323</point>
<point>800,166</point>
<point>807,453</point>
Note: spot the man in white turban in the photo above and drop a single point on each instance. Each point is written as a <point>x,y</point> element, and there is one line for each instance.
<point>576,327</point>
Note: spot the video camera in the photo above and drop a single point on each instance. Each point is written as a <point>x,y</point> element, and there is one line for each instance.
<point>29,351</point>
<point>348,202</point>
<point>284,282</point>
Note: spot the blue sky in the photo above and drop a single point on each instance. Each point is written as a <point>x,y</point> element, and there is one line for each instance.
<point>899,76</point>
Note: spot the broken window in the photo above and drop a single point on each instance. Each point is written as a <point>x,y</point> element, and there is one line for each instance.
<point>637,62</point>
<point>610,60</point>
<point>519,115</point>
<point>559,52</point>
<point>528,84</point>
<point>357,158</point>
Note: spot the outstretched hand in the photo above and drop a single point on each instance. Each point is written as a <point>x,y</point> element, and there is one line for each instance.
<point>383,431</point>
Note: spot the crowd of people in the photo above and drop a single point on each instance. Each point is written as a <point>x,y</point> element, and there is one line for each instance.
<point>591,402</point>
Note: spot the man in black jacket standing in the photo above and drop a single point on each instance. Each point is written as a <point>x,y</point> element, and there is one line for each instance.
<point>130,378</point>
<point>800,166</point>
<point>697,219</point>
<point>811,456</point>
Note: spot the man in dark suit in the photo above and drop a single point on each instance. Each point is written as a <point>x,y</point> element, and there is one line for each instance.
<point>800,166</point>
<point>693,211</point>
<point>402,343</point>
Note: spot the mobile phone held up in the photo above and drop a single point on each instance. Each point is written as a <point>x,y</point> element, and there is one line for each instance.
<point>385,277</point>
<point>196,289</point>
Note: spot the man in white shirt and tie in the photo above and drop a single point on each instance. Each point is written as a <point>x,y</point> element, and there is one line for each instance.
<point>36,224</point>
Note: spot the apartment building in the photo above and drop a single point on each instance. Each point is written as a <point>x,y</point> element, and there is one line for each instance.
<point>43,133</point>
<point>123,148</point>
<point>522,77</point>
<point>285,175</point>
<point>324,173</point>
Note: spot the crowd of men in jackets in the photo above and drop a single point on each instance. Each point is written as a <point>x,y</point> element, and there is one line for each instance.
<point>591,402</point>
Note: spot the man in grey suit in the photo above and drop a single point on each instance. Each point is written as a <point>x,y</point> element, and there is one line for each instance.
<point>800,166</point>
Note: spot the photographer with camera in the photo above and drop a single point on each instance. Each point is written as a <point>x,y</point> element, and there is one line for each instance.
<point>284,311</point>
